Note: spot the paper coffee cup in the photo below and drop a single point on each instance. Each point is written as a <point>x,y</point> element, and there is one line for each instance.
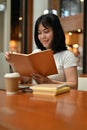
<point>11,82</point>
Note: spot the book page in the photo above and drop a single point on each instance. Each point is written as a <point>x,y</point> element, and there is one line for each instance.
<point>48,87</point>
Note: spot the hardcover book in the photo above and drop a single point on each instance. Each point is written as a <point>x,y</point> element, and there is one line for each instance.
<point>50,89</point>
<point>40,62</point>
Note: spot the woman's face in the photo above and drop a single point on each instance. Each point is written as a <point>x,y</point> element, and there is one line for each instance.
<point>45,35</point>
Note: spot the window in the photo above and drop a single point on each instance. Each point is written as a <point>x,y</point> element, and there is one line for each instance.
<point>71,7</point>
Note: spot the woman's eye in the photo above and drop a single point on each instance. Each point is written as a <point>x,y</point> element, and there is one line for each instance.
<point>39,32</point>
<point>47,31</point>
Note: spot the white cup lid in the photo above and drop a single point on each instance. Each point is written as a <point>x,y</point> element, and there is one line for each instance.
<point>12,75</point>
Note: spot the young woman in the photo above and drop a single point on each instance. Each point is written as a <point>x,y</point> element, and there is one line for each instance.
<point>49,34</point>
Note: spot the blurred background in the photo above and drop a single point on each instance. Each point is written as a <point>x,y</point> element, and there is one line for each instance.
<point>17,19</point>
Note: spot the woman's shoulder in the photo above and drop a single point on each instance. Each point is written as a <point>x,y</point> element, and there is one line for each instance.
<point>69,58</point>
<point>65,53</point>
<point>68,52</point>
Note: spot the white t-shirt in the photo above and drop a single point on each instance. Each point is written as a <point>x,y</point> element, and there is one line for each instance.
<point>63,60</point>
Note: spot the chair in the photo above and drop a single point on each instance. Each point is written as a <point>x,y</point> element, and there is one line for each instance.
<point>4,68</point>
<point>82,83</point>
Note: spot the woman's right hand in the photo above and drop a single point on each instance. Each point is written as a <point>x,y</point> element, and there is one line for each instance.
<point>7,55</point>
<point>25,80</point>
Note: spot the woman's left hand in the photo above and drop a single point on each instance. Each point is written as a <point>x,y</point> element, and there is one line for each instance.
<point>41,79</point>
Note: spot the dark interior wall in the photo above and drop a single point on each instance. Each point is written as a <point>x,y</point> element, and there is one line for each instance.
<point>24,9</point>
<point>85,39</point>
<point>15,13</point>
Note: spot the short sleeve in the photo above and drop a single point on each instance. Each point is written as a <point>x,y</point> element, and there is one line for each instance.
<point>69,59</point>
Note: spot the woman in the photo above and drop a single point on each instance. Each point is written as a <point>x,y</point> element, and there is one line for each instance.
<point>50,35</point>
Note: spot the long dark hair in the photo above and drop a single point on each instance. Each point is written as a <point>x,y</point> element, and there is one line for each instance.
<point>51,20</point>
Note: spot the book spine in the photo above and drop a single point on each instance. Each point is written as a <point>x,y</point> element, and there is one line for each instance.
<point>63,90</point>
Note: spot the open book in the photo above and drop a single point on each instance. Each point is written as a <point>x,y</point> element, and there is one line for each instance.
<point>40,62</point>
<point>50,89</point>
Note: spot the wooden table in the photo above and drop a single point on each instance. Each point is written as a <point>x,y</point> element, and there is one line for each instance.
<point>25,111</point>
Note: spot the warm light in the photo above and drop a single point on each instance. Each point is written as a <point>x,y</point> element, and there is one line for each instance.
<point>70,33</point>
<point>20,35</point>
<point>81,0</point>
<point>46,11</point>
<point>20,18</point>
<point>13,46</point>
<point>75,45</point>
<point>53,11</point>
<point>79,30</point>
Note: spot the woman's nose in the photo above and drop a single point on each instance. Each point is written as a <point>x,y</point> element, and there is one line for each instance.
<point>42,35</point>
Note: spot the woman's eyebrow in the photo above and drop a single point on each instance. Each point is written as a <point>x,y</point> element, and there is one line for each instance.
<point>43,29</point>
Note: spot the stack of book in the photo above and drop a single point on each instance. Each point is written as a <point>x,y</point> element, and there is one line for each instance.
<point>50,89</point>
